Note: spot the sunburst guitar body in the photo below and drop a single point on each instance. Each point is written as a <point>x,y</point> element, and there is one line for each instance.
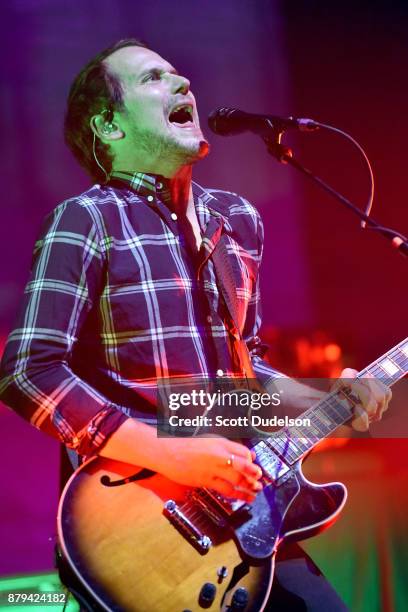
<point>138,542</point>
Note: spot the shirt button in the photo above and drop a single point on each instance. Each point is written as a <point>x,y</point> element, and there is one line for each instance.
<point>150,198</point>
<point>159,185</point>
<point>220,372</point>
<point>209,319</point>
<point>173,216</point>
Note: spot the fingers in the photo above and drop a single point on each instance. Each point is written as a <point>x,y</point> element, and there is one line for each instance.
<point>373,395</point>
<point>242,455</point>
<point>240,463</point>
<point>368,400</point>
<point>381,394</point>
<point>216,463</point>
<point>241,470</point>
<point>384,394</point>
<point>360,422</point>
<point>239,491</point>
<point>237,449</point>
<point>388,394</point>
<point>348,373</point>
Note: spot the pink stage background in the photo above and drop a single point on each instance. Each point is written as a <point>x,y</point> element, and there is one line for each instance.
<point>339,63</point>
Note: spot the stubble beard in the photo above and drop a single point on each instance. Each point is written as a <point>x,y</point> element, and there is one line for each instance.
<point>170,150</point>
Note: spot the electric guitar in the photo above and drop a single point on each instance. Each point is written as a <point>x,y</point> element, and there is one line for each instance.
<point>139,542</point>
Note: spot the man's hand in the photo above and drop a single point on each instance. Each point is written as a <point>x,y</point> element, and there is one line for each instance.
<point>216,463</point>
<point>374,397</point>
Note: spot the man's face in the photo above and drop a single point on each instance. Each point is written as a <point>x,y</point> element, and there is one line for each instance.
<point>160,119</point>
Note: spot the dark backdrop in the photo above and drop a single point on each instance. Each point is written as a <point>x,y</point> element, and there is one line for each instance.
<point>348,67</point>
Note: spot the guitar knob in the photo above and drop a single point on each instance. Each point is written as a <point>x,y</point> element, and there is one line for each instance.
<point>207,594</point>
<point>239,600</point>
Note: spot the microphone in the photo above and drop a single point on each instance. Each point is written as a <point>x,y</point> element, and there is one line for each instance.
<point>232,121</point>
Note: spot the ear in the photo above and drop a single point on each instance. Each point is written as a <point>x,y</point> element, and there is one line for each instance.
<point>106,131</point>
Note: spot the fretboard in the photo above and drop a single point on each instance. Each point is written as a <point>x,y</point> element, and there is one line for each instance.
<point>336,408</point>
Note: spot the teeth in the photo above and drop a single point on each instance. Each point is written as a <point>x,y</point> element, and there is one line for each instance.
<point>182,113</point>
<point>186,107</point>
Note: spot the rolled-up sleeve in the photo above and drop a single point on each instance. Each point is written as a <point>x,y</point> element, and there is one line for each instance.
<point>37,380</point>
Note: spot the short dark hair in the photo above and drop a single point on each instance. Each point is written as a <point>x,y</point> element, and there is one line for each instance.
<point>94,90</point>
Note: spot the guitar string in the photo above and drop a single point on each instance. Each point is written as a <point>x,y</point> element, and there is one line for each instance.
<point>199,516</point>
<point>328,403</point>
<point>195,512</point>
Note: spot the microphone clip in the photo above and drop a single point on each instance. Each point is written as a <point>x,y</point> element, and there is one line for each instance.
<point>275,147</point>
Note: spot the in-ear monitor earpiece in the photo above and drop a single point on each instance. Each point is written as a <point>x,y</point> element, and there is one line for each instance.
<point>108,128</point>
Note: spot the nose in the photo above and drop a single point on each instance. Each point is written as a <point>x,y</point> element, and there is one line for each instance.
<point>180,84</point>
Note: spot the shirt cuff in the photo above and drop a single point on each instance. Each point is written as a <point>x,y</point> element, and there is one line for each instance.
<point>99,430</point>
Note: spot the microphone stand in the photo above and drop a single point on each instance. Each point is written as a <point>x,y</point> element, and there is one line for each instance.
<point>285,156</point>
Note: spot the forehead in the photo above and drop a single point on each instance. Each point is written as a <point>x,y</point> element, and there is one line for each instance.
<point>130,62</point>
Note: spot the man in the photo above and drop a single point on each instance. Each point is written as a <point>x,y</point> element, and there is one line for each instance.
<point>124,293</point>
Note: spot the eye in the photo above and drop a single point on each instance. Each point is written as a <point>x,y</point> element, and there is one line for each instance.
<point>153,75</point>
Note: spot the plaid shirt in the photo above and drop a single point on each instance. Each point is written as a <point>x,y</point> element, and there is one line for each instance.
<point>116,302</point>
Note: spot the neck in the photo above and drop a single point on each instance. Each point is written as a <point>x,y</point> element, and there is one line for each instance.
<point>179,180</point>
<point>180,188</point>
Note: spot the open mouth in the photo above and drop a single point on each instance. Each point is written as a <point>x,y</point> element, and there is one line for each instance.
<point>182,115</point>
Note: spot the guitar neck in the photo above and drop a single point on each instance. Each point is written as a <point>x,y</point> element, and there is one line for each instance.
<point>336,408</point>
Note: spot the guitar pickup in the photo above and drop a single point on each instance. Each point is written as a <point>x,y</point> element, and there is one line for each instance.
<point>272,466</point>
<point>221,510</point>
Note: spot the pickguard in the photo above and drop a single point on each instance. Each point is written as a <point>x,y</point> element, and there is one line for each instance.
<point>259,536</point>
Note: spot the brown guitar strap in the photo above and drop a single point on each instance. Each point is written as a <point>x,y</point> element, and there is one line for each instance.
<point>226,282</point>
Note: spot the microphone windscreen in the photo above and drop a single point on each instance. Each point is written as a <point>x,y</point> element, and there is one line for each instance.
<point>225,121</point>
<point>212,120</point>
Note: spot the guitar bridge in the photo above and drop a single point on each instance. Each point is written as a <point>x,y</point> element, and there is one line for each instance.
<point>182,523</point>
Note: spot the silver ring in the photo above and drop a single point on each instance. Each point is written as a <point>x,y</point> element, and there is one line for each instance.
<point>230,461</point>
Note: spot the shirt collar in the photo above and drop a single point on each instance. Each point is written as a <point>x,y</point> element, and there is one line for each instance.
<point>142,183</point>
<point>145,184</point>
